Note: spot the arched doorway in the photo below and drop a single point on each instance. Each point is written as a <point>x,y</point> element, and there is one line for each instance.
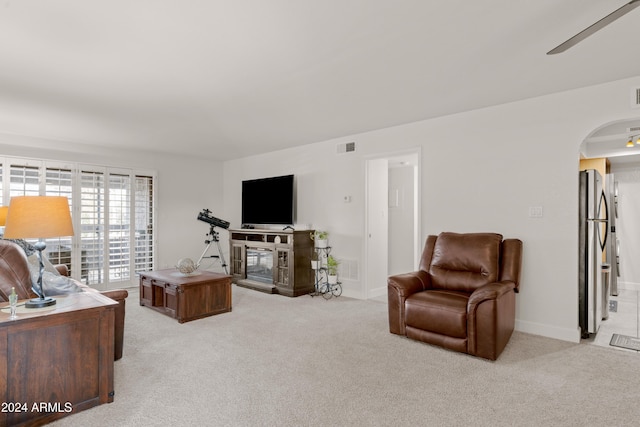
<point>616,145</point>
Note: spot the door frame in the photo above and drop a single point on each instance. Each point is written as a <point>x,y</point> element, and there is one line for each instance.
<point>415,154</point>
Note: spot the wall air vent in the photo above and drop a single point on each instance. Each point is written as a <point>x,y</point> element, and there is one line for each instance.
<point>348,269</point>
<point>347,147</point>
<point>635,97</point>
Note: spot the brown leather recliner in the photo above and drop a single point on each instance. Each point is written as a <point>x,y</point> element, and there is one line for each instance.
<point>14,273</point>
<point>463,295</point>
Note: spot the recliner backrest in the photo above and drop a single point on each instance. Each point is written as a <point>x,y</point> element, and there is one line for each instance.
<point>14,271</point>
<point>511,261</point>
<point>464,262</point>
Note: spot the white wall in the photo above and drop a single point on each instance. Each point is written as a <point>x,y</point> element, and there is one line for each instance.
<point>481,171</point>
<point>323,178</point>
<point>185,186</point>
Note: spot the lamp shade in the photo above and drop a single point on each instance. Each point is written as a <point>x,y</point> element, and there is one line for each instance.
<point>3,215</point>
<point>38,217</point>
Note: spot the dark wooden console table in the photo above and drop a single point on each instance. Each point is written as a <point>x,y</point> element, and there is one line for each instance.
<point>57,360</point>
<point>271,261</point>
<point>185,297</point>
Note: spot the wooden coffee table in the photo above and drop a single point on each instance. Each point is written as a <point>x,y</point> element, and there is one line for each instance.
<point>186,297</point>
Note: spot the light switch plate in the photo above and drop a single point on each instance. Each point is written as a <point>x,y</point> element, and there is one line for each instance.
<point>535,212</point>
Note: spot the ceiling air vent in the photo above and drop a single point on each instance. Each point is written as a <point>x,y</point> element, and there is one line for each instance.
<point>633,129</point>
<point>347,147</point>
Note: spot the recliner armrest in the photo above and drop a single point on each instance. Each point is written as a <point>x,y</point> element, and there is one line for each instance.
<point>62,269</point>
<point>491,291</point>
<point>399,288</point>
<point>408,284</point>
<point>491,315</point>
<point>119,296</point>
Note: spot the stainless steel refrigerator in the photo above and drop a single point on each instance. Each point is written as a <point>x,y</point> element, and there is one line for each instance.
<point>593,232</point>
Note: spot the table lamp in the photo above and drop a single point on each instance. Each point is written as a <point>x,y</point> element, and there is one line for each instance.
<point>38,217</point>
<point>3,215</point>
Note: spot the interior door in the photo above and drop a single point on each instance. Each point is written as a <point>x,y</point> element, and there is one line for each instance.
<point>377,227</point>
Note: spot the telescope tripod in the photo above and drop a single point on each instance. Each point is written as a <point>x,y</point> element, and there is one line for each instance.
<point>214,238</point>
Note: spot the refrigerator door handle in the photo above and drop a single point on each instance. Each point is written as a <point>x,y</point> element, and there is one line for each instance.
<point>603,243</point>
<point>615,198</point>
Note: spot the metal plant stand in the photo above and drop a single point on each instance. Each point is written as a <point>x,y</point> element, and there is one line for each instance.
<point>322,285</point>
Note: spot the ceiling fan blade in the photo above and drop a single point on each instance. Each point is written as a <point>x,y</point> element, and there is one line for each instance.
<point>595,27</point>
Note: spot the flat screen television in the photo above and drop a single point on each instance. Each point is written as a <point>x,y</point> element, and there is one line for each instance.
<point>269,201</point>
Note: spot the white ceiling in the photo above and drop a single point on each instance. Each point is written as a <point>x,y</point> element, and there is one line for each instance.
<point>231,78</point>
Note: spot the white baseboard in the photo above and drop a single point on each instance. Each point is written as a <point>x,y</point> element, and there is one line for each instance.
<point>631,286</point>
<point>549,331</point>
<point>357,293</point>
<point>378,292</point>
<point>351,294</point>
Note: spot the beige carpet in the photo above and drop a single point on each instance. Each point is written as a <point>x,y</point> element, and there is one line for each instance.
<point>278,361</point>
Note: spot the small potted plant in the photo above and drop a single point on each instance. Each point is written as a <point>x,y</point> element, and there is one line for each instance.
<point>320,238</point>
<point>315,263</point>
<point>332,270</point>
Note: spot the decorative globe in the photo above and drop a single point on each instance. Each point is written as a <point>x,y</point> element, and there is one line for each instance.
<point>186,266</point>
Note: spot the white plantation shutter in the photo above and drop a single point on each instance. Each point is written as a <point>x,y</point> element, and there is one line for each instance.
<point>58,182</point>
<point>24,180</point>
<point>144,214</point>
<point>119,226</point>
<point>92,226</point>
<point>112,212</point>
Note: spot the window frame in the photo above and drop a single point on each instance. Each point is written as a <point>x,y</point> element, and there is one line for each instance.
<point>76,202</point>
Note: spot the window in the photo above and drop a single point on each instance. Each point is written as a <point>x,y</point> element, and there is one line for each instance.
<point>112,213</point>
<point>143,205</point>
<point>58,182</point>
<point>24,180</point>
<point>120,225</point>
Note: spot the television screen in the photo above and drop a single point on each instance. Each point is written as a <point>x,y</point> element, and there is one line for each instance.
<point>268,201</point>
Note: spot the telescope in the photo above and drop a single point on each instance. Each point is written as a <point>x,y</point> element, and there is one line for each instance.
<point>206,216</point>
<point>213,222</point>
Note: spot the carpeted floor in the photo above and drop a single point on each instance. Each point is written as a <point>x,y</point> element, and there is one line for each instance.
<point>278,361</point>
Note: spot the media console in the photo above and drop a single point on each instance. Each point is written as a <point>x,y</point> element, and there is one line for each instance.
<point>271,261</point>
